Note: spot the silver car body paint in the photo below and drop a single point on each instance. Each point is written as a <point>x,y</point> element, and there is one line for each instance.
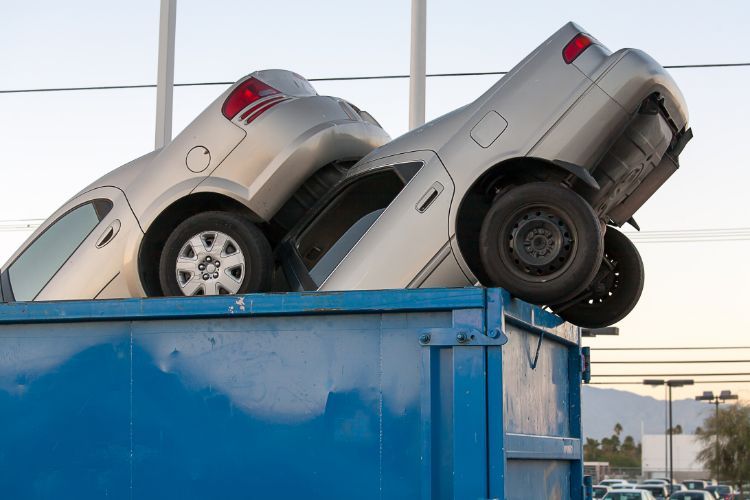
<point>551,111</point>
<point>259,165</point>
<point>544,109</point>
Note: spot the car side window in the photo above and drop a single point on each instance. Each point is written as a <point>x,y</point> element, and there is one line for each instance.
<point>342,223</point>
<point>39,262</point>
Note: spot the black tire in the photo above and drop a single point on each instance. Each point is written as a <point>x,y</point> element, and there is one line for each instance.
<point>252,275</point>
<point>616,289</point>
<point>542,242</point>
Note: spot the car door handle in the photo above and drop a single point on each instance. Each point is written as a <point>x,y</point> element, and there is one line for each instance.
<point>430,196</point>
<point>109,234</point>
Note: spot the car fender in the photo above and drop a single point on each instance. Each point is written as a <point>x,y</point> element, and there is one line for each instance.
<point>277,179</point>
<point>148,213</point>
<point>129,274</point>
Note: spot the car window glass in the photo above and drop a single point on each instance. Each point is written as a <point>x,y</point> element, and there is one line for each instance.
<point>338,251</point>
<point>41,260</point>
<point>343,222</point>
<point>623,495</point>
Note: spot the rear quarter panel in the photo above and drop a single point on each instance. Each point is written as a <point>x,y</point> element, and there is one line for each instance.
<point>531,100</point>
<point>168,178</point>
<point>285,147</point>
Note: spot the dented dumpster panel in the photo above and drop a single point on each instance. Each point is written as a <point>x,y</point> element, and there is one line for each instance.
<point>399,394</point>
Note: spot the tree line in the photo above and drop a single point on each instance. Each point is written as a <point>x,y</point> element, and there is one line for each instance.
<point>625,453</point>
<point>724,446</point>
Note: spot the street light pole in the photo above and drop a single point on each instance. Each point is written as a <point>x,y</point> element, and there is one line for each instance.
<point>666,437</point>
<point>670,383</point>
<point>710,398</point>
<point>671,432</point>
<point>716,456</point>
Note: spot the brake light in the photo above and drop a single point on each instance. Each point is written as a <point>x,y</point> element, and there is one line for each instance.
<point>575,47</point>
<point>246,93</point>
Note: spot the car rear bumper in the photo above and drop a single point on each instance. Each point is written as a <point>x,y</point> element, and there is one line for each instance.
<point>631,75</point>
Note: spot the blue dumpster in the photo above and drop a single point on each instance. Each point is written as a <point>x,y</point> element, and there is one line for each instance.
<point>402,394</point>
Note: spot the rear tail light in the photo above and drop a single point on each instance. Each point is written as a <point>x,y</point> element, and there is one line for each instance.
<point>575,47</point>
<point>247,93</point>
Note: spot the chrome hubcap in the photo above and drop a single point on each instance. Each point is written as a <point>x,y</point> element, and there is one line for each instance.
<point>210,263</point>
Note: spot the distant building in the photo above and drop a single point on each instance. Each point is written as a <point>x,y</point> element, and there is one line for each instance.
<point>655,457</point>
<point>597,470</point>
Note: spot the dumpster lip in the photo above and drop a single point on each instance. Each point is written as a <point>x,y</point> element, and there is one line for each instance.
<point>249,305</point>
<point>497,304</point>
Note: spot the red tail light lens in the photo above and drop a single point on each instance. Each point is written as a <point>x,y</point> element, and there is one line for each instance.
<point>244,95</point>
<point>576,47</point>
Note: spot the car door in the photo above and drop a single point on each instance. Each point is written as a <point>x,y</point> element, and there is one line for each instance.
<point>408,244</point>
<point>78,253</point>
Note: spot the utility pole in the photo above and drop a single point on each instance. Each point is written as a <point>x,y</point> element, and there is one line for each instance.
<point>165,73</point>
<point>418,63</point>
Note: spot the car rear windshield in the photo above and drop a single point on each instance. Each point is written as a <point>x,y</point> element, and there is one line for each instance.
<point>721,489</point>
<point>623,495</point>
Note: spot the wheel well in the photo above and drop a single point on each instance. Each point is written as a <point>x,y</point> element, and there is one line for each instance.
<point>493,182</point>
<point>161,228</point>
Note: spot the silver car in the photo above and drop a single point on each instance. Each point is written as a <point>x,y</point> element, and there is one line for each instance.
<point>522,188</point>
<point>199,216</point>
<point>632,494</point>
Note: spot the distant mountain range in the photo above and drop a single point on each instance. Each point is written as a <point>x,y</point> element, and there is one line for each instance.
<point>603,408</point>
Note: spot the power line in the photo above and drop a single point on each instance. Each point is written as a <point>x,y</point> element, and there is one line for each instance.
<point>696,382</point>
<point>681,361</point>
<point>710,65</point>
<point>667,348</point>
<point>331,79</point>
<point>661,236</point>
<point>671,374</point>
<point>691,235</point>
<point>668,232</point>
<point>19,224</point>
<point>108,87</point>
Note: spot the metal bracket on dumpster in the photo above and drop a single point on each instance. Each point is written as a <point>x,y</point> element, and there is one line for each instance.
<point>460,336</point>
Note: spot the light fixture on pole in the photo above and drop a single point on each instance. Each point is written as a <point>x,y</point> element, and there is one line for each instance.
<point>709,397</point>
<point>670,383</point>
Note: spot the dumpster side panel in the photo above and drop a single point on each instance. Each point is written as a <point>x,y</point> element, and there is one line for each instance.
<point>65,411</point>
<point>539,479</point>
<point>431,394</point>
<point>210,408</point>
<point>536,399</point>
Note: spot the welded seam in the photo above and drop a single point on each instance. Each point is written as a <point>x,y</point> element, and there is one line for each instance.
<point>380,409</point>
<point>131,412</point>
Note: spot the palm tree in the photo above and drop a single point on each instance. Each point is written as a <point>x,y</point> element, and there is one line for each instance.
<point>725,440</point>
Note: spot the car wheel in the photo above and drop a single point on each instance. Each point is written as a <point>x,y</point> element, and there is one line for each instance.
<point>215,253</point>
<point>542,242</point>
<point>616,287</point>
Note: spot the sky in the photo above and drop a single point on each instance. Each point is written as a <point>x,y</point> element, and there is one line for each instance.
<point>55,143</point>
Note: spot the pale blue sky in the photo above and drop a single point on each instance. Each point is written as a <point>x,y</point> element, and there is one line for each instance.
<point>55,143</point>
